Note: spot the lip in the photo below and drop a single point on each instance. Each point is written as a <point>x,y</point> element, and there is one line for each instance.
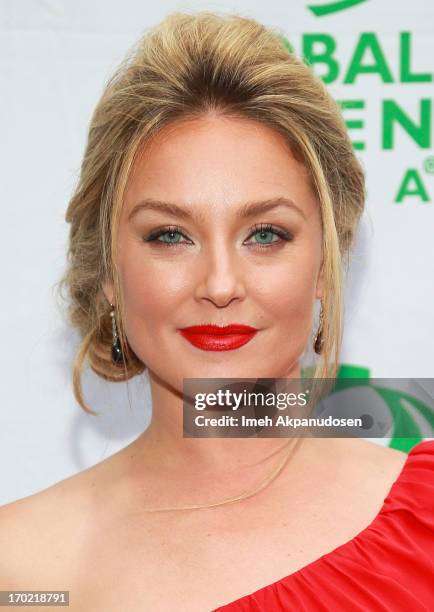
<point>219,338</point>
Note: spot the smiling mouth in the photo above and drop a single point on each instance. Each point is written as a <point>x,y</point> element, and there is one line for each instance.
<point>214,338</point>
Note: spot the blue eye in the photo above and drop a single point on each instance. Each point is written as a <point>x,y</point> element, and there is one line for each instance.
<point>265,237</point>
<point>266,234</point>
<point>172,234</point>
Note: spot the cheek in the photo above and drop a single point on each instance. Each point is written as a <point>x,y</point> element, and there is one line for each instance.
<point>287,291</point>
<point>146,298</point>
<point>150,291</point>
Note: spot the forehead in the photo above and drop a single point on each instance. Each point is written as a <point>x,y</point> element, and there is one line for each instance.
<point>215,164</point>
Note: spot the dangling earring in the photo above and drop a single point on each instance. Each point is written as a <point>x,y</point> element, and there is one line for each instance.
<point>117,356</point>
<point>318,344</point>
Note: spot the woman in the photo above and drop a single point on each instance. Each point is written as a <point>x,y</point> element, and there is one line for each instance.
<point>219,187</point>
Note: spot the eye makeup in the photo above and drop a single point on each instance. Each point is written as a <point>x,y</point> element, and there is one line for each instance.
<point>262,229</point>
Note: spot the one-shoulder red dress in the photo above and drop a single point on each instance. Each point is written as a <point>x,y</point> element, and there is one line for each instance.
<point>387,567</point>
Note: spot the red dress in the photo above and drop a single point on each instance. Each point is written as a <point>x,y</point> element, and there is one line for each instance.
<point>387,567</point>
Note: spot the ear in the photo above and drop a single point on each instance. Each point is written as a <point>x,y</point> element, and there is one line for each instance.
<point>320,282</point>
<point>108,291</point>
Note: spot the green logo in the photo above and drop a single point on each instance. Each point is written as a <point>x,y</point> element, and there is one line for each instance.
<point>402,406</point>
<point>333,7</point>
<point>406,430</point>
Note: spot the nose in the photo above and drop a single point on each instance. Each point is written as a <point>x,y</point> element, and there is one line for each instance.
<point>222,276</point>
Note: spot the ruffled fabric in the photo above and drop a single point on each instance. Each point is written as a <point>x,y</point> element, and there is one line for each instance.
<point>387,567</point>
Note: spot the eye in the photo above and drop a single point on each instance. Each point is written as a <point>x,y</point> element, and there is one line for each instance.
<point>266,233</point>
<point>172,236</point>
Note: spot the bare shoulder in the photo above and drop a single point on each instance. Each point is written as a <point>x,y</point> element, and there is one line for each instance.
<point>370,461</point>
<point>41,533</point>
<point>363,466</point>
<point>353,477</point>
<point>378,453</point>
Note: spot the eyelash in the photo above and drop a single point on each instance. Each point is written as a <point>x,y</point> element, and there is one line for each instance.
<point>259,228</point>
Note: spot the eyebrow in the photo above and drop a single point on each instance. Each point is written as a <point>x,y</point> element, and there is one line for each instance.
<point>249,209</point>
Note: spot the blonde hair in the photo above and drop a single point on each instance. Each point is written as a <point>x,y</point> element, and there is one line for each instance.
<point>182,68</point>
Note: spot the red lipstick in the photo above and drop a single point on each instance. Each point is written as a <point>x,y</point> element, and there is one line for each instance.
<point>215,338</point>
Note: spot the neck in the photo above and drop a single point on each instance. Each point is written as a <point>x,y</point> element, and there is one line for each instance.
<point>162,444</point>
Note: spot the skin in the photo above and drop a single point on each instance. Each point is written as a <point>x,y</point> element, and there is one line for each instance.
<point>90,533</point>
<point>218,272</point>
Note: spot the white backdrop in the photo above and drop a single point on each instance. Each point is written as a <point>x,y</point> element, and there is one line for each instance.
<point>55,57</point>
